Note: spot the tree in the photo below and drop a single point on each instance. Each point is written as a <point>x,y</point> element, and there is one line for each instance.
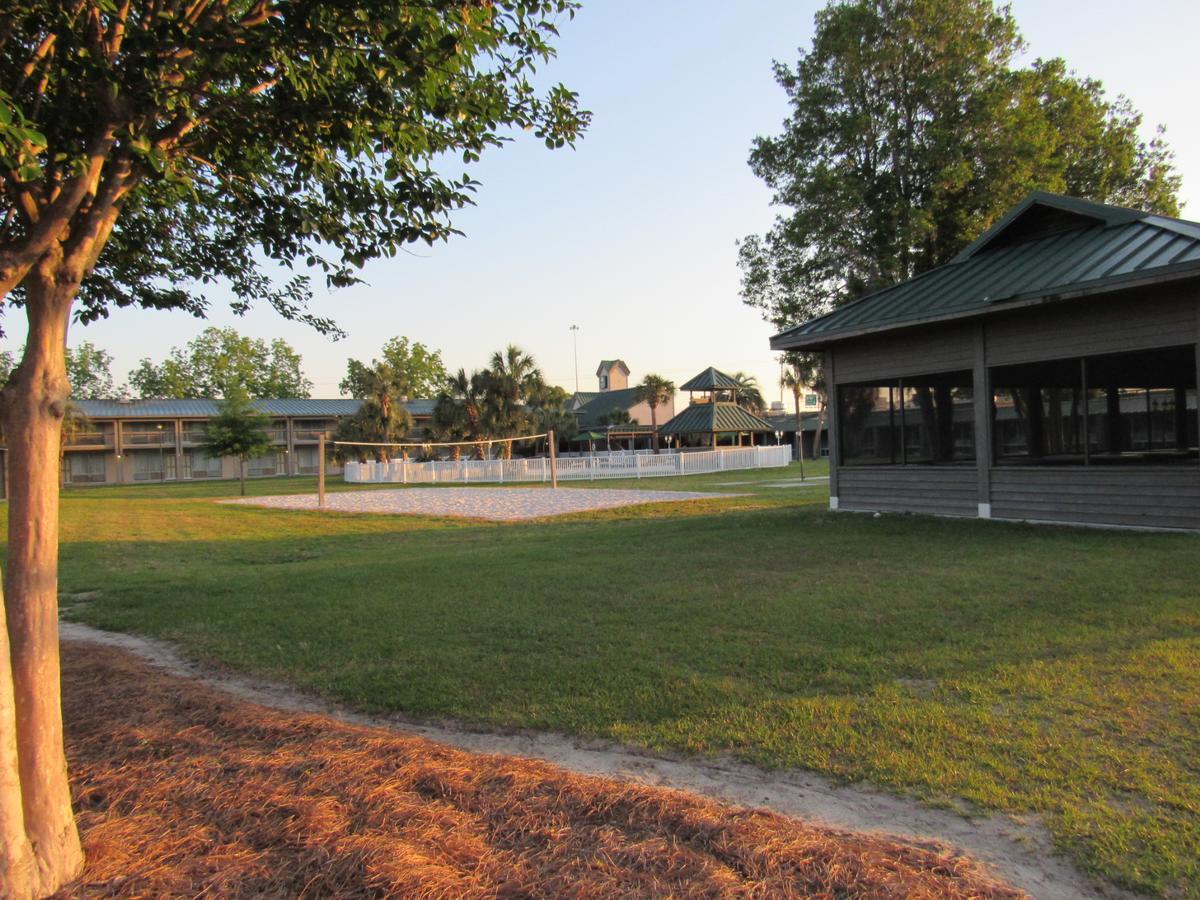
<point>419,369</point>
<point>219,360</point>
<point>89,370</point>
<point>749,396</point>
<point>654,391</point>
<point>459,412</point>
<point>150,149</point>
<point>382,418</point>
<point>910,133</point>
<point>804,371</point>
<point>547,404</point>
<point>510,381</point>
<point>238,429</point>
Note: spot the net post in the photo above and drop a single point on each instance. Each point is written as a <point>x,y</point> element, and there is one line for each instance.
<point>553,458</point>
<point>321,470</point>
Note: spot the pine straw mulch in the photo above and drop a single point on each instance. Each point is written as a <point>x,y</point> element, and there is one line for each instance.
<point>185,791</point>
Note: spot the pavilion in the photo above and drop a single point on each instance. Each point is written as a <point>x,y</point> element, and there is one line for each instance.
<point>706,419</point>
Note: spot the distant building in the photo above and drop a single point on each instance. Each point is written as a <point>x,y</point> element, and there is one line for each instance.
<point>132,441</point>
<point>594,410</point>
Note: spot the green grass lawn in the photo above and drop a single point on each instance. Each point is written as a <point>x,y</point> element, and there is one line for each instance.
<point>1034,670</point>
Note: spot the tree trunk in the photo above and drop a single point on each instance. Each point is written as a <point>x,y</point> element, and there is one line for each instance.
<point>33,407</point>
<point>654,425</point>
<point>242,474</point>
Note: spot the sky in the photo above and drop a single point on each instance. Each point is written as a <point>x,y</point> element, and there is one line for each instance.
<point>632,235</point>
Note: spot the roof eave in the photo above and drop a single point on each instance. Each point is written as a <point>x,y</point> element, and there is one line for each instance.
<point>1182,272</point>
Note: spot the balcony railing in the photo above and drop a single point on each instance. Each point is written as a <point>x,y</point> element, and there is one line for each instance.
<point>149,438</point>
<point>309,434</point>
<point>89,439</point>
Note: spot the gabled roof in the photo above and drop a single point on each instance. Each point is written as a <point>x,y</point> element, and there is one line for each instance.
<point>1047,248</point>
<point>600,404</point>
<point>710,379</point>
<point>710,418</point>
<point>607,365</point>
<point>188,408</point>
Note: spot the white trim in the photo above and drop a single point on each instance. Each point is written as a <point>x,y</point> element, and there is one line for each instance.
<point>985,510</point>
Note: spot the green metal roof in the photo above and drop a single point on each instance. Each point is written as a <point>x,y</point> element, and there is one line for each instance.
<point>709,380</point>
<point>1046,248</point>
<point>787,422</point>
<point>603,403</point>
<point>709,418</point>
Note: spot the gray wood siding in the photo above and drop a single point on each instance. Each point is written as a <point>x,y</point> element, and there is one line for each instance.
<point>937,490</point>
<point>920,352</point>
<point>1157,317</point>
<point>1152,496</point>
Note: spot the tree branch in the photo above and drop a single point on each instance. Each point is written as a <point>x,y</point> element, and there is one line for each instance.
<point>17,260</point>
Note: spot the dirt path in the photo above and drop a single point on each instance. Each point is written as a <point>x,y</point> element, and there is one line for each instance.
<point>1020,852</point>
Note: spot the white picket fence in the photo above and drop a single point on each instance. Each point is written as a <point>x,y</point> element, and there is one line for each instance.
<point>585,468</point>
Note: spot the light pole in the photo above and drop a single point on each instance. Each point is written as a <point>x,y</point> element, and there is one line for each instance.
<point>575,346</point>
<point>162,470</point>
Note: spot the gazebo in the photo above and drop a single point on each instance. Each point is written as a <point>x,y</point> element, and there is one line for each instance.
<point>716,414</point>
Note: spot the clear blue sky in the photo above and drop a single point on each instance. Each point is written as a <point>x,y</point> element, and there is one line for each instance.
<point>632,235</point>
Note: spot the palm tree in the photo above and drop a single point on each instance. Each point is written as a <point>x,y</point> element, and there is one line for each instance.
<point>804,370</point>
<point>512,379</point>
<point>749,396</point>
<point>460,411</point>
<point>653,391</point>
<point>382,418</point>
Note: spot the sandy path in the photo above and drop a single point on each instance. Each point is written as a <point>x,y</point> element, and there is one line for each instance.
<point>1020,852</point>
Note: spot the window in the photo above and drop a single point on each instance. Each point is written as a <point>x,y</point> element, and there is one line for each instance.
<point>1038,412</point>
<point>198,464</point>
<point>604,382</point>
<point>1124,408</point>
<point>148,466</point>
<point>268,464</point>
<point>83,468</point>
<point>922,420</point>
<point>306,460</point>
<point>810,400</point>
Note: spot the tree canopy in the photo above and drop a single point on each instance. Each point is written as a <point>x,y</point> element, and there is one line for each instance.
<point>179,144</point>
<point>911,131</point>
<point>89,369</point>
<point>507,399</point>
<point>220,361</point>
<point>419,370</point>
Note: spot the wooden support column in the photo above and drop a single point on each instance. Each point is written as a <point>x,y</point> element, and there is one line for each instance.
<point>293,465</point>
<point>1198,363</point>
<point>118,441</point>
<point>831,428</point>
<point>179,449</point>
<point>982,393</point>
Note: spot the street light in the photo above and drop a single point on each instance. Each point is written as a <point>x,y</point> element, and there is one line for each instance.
<point>575,345</point>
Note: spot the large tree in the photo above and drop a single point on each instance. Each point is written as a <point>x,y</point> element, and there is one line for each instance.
<point>911,130</point>
<point>420,369</point>
<point>220,360</point>
<point>151,147</point>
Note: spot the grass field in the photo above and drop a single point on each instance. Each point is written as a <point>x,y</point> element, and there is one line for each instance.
<point>1034,670</point>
